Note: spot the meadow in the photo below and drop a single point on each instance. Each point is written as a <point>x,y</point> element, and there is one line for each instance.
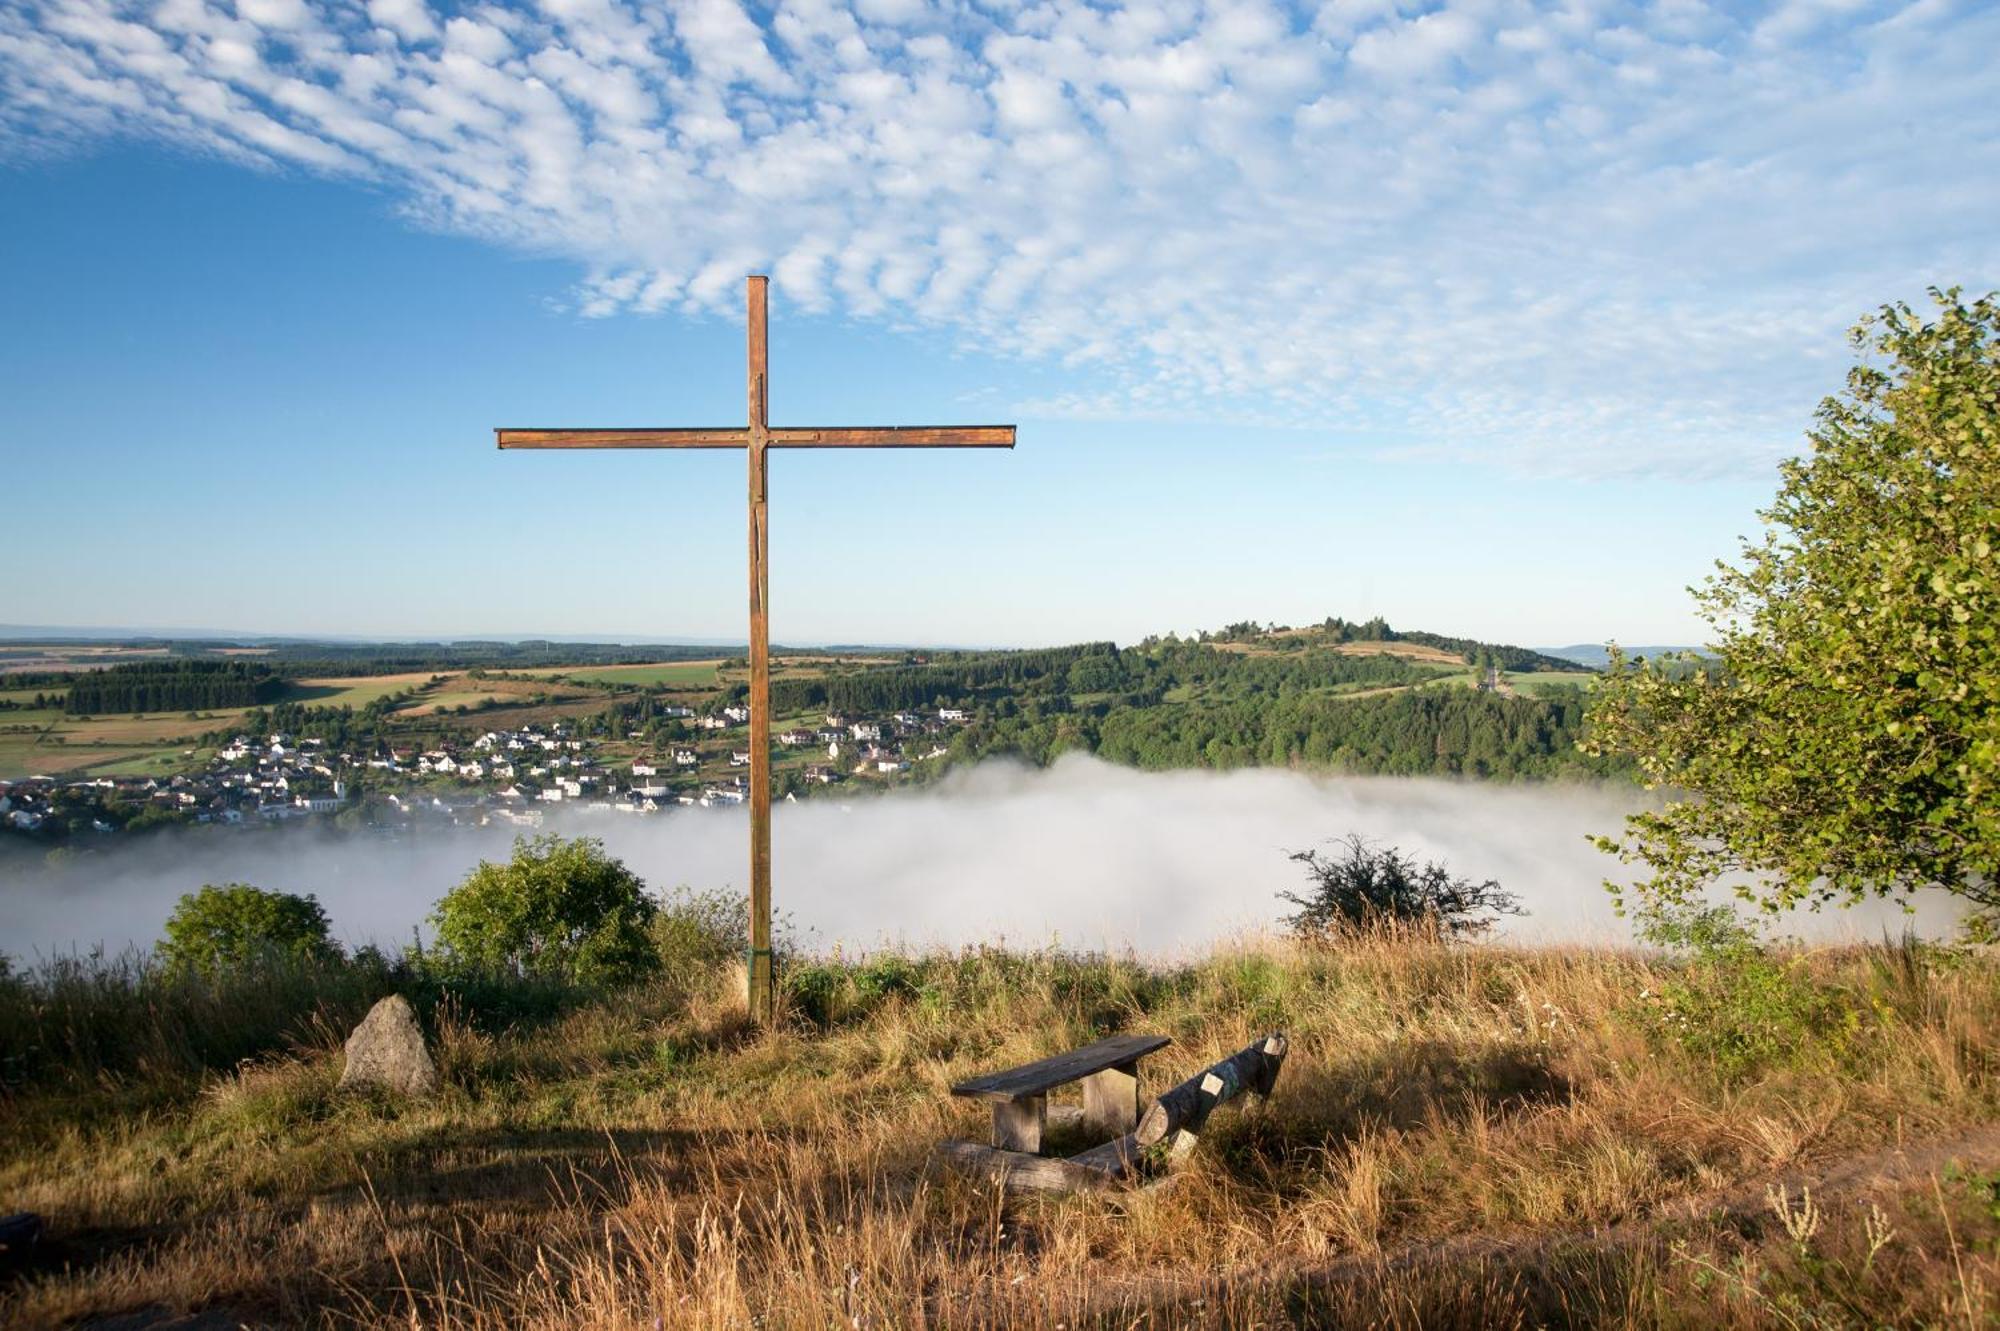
<point>668,674</point>
<point>1463,1136</point>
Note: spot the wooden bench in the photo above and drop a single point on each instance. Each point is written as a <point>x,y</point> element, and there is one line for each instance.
<point>1108,1069</point>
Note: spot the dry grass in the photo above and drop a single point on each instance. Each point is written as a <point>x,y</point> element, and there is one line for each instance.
<point>1462,1137</point>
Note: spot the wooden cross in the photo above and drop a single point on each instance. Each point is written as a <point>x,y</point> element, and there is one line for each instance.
<point>755,439</point>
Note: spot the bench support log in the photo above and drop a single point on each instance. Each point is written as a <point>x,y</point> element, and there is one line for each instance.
<point>1111,1099</point>
<point>1180,1112</point>
<point>1021,1172</point>
<point>1018,1124</point>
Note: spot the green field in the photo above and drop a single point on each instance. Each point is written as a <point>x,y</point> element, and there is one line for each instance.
<point>21,755</point>
<point>26,696</point>
<point>1541,681</point>
<point>355,691</point>
<point>675,674</point>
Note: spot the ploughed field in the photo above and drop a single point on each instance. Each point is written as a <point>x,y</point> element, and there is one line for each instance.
<point>1461,1137</point>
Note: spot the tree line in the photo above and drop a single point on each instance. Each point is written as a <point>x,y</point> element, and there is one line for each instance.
<point>1421,732</point>
<point>188,685</point>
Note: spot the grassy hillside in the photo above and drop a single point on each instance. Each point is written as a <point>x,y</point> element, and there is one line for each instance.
<point>1463,1137</point>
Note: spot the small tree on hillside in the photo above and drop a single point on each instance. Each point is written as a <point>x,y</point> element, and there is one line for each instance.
<point>223,928</point>
<point>559,909</point>
<point>1847,741</point>
<point>1361,887</point>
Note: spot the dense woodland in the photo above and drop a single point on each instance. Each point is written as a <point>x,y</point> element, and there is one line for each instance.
<point>171,686</point>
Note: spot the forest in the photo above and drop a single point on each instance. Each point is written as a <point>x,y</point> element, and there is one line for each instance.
<point>171,686</point>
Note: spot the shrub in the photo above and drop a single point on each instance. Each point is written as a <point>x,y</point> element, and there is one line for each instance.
<point>237,925</point>
<point>693,932</point>
<point>1362,888</point>
<point>1732,1002</point>
<point>835,992</point>
<point>560,909</point>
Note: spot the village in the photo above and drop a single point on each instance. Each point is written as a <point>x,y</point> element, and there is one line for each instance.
<point>501,776</point>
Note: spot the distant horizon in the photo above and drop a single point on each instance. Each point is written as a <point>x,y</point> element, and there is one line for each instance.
<point>61,634</point>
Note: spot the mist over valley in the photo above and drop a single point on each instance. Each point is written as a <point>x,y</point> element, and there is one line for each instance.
<point>1081,853</point>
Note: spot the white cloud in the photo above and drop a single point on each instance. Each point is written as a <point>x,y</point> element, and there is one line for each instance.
<point>1608,238</point>
<point>410,19</point>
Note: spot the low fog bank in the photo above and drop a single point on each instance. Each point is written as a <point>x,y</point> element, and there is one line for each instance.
<point>1082,853</point>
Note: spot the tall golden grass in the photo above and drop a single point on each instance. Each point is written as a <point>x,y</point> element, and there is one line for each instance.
<point>1463,1136</point>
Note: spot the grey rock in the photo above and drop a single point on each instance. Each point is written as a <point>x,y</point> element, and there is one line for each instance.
<point>387,1050</point>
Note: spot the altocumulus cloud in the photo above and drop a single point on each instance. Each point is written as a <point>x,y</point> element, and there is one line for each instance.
<point>1596,238</point>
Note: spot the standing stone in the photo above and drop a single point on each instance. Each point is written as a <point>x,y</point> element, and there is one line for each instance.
<point>387,1050</point>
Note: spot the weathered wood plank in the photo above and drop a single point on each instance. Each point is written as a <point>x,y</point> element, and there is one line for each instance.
<point>631,437</point>
<point>1184,1108</point>
<point>1021,1172</point>
<point>763,980</point>
<point>1037,1078</point>
<point>837,436</point>
<point>895,436</point>
<point>1018,1124</point>
<point>1111,1099</point>
<point>1118,1158</point>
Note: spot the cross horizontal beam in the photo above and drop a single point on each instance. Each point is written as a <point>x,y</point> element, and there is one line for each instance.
<point>849,436</point>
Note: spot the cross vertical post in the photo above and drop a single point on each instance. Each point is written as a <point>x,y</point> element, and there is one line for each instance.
<point>756,441</point>
<point>762,980</point>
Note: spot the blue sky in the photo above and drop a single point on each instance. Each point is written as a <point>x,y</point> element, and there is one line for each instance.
<point>1486,316</point>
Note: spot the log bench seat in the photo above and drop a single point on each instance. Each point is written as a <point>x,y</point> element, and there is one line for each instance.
<point>1108,1069</point>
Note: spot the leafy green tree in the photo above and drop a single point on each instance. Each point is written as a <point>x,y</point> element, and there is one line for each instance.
<point>560,909</point>
<point>219,929</point>
<point>1845,742</point>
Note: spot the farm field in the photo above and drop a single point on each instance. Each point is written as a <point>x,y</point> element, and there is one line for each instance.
<point>355,691</point>
<point>1412,651</point>
<point>1542,681</point>
<point>25,697</point>
<point>21,755</point>
<point>680,674</point>
<point>18,658</point>
<point>447,698</point>
<point>49,742</point>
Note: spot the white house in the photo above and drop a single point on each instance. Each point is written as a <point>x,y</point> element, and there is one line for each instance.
<point>645,767</point>
<point>739,759</point>
<point>866,731</point>
<point>686,758</point>
<point>737,713</point>
<point>951,714</point>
